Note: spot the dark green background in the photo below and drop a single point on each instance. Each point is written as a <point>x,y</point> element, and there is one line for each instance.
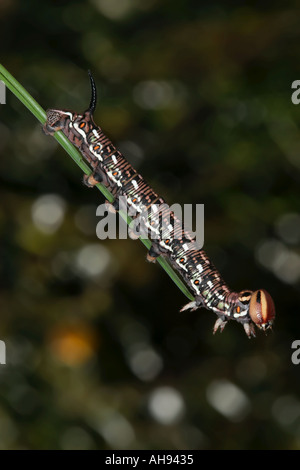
<point>198,96</point>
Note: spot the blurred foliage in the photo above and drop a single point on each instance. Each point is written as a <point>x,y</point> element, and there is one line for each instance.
<point>198,97</point>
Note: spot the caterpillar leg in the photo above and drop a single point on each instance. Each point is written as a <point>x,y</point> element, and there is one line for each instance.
<point>190,306</point>
<point>153,253</point>
<point>112,207</point>
<point>92,180</point>
<point>219,325</point>
<point>137,227</point>
<point>48,130</point>
<point>194,305</point>
<point>249,329</point>
<point>132,234</point>
<point>133,230</point>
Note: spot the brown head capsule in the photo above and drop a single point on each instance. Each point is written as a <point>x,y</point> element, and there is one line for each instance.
<point>57,120</point>
<point>262,309</point>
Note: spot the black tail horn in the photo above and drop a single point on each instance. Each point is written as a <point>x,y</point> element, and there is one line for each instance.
<point>93,102</point>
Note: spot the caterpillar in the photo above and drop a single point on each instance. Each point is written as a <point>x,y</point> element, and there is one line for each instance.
<point>171,240</point>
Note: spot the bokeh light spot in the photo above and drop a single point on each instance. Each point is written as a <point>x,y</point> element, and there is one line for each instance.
<point>166,405</point>
<point>48,213</point>
<point>228,399</point>
<point>72,345</point>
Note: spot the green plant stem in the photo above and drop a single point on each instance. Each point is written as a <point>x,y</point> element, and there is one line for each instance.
<point>20,92</point>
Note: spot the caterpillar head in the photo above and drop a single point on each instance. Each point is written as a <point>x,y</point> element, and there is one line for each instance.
<point>61,119</point>
<point>260,307</point>
<point>58,119</point>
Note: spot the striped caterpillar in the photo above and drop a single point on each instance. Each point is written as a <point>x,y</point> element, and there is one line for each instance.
<point>180,248</point>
